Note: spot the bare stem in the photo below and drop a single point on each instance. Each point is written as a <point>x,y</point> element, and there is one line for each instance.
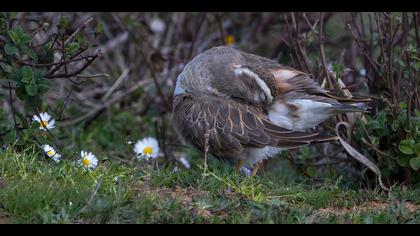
<point>321,46</point>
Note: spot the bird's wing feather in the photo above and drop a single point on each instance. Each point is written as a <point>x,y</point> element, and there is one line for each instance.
<point>233,126</point>
<point>289,79</point>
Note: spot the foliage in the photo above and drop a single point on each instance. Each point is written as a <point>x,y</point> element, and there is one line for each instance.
<point>34,191</point>
<point>28,65</point>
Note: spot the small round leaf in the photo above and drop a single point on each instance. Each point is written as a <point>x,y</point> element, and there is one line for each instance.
<point>406,146</point>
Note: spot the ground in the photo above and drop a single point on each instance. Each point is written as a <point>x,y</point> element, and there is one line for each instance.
<point>35,190</point>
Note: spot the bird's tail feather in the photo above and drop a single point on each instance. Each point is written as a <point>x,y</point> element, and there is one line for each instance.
<point>342,108</point>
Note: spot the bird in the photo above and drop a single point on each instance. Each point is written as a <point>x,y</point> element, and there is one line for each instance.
<point>246,108</point>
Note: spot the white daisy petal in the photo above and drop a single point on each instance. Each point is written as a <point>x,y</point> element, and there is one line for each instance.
<point>57,158</point>
<point>88,160</point>
<point>51,152</point>
<point>45,121</point>
<point>147,148</point>
<point>36,119</point>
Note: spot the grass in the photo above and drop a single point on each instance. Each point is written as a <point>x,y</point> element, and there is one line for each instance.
<point>34,190</point>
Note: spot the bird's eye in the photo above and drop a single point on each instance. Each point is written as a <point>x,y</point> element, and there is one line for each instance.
<point>263,96</point>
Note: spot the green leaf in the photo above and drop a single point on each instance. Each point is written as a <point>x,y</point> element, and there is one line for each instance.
<point>43,85</point>
<point>415,163</point>
<point>27,74</point>
<point>16,75</point>
<point>19,37</point>
<point>80,38</point>
<point>311,171</point>
<point>31,53</point>
<point>374,124</point>
<point>99,28</point>
<point>31,89</point>
<point>15,33</point>
<point>6,67</point>
<point>406,146</point>
<point>72,47</point>
<point>404,161</point>
<point>10,49</point>
<point>39,74</point>
<point>417,149</point>
<point>64,20</point>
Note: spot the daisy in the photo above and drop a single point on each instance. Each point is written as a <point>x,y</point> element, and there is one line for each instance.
<point>88,160</point>
<point>185,162</point>
<point>147,148</point>
<point>51,152</point>
<point>45,122</point>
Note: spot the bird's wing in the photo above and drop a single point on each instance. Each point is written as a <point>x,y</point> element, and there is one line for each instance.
<point>288,79</point>
<point>233,126</point>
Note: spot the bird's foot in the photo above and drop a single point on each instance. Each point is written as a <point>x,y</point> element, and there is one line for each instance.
<point>255,169</point>
<point>239,165</point>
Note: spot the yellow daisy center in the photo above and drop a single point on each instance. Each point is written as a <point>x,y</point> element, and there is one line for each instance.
<point>148,150</point>
<point>44,123</point>
<point>230,39</point>
<point>50,153</point>
<point>85,161</point>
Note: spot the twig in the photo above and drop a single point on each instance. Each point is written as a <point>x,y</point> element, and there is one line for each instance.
<point>11,104</point>
<point>321,46</point>
<point>313,30</point>
<point>107,104</point>
<point>66,101</point>
<point>155,79</point>
<point>195,35</point>
<point>68,75</point>
<point>357,155</point>
<point>50,48</point>
<point>91,76</point>
<point>221,29</point>
<point>56,68</point>
<point>116,84</point>
<point>375,148</point>
<point>5,132</point>
<point>56,63</point>
<point>370,59</point>
<point>416,28</point>
<point>79,28</point>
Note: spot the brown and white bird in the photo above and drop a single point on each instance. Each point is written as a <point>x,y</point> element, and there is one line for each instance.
<point>249,106</point>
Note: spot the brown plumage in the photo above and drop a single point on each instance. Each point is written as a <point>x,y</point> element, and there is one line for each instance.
<point>250,106</point>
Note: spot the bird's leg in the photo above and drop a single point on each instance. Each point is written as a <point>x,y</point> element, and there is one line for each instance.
<point>255,169</point>
<point>239,164</point>
<point>206,149</point>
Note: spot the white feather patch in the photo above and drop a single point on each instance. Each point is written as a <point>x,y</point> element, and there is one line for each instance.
<point>283,74</point>
<point>243,70</point>
<point>310,114</point>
